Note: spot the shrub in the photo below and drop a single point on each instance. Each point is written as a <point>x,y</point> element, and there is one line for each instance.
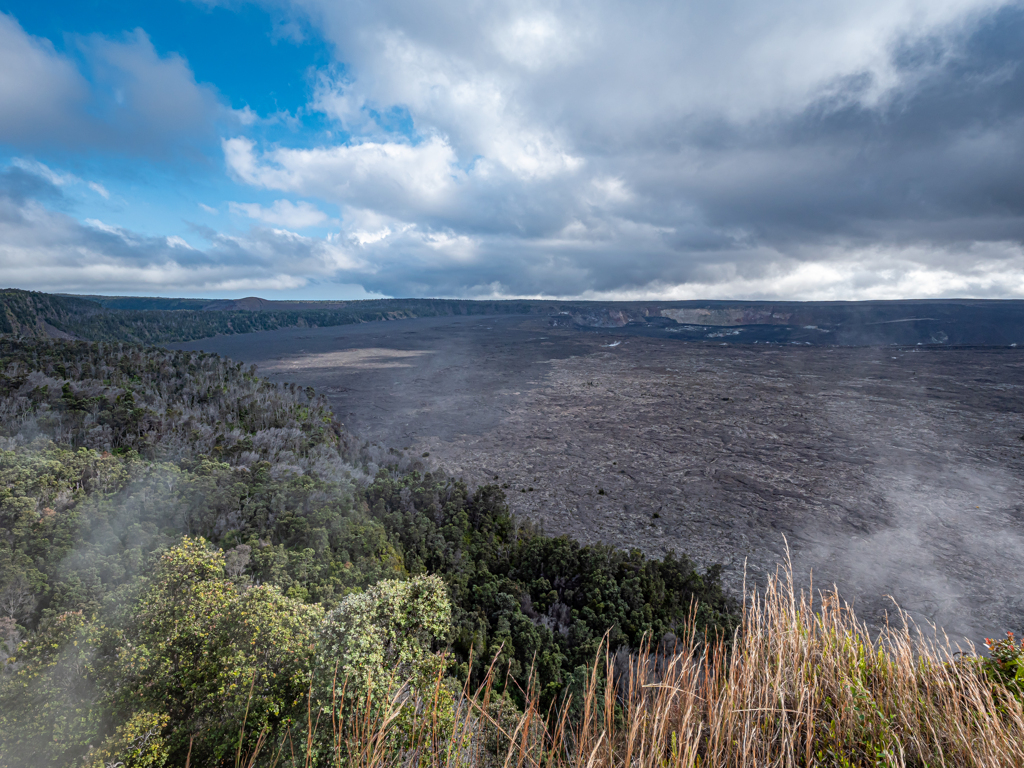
<point>209,655</point>
<point>383,637</point>
<point>1005,664</point>
<point>138,743</point>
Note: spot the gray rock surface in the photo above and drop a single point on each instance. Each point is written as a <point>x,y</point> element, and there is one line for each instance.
<point>894,473</point>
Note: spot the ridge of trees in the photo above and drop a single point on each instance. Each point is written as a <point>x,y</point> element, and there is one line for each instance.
<point>40,315</point>
<point>126,470</point>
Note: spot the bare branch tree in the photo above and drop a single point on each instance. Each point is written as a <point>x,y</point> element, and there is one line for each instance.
<point>237,559</point>
<point>16,597</point>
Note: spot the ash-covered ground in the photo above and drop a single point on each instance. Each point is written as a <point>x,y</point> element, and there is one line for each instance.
<point>891,472</point>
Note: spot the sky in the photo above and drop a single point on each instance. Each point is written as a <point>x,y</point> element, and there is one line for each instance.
<point>320,149</point>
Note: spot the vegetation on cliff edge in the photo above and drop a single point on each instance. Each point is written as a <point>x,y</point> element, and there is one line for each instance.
<point>175,531</point>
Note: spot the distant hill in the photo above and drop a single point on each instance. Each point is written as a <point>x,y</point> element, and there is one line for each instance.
<point>150,320</point>
<point>950,322</point>
<point>155,321</point>
<point>27,314</point>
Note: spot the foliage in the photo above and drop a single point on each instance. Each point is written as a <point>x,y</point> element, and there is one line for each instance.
<point>206,654</point>
<point>50,708</point>
<point>28,313</point>
<point>538,603</point>
<point>159,403</point>
<point>173,529</point>
<point>803,685</point>
<point>1005,663</point>
<point>137,743</point>
<point>383,637</point>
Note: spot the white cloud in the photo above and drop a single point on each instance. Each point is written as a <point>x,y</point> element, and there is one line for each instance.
<point>283,212</point>
<point>609,191</point>
<point>49,251</point>
<point>384,176</point>
<point>174,241</point>
<point>994,271</point>
<point>536,41</point>
<point>456,247</point>
<point>112,94</point>
<point>109,229</point>
<point>556,73</point>
<point>475,107</point>
<point>57,178</point>
<point>247,116</point>
<point>38,86</point>
<point>348,107</point>
<point>44,171</point>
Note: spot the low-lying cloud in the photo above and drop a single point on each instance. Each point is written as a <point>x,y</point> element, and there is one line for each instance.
<point>51,251</point>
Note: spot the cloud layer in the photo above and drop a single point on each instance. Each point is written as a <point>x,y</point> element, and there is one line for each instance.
<point>114,95</point>
<point>603,149</point>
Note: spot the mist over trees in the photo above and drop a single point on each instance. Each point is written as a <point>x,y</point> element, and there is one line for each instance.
<point>182,542</point>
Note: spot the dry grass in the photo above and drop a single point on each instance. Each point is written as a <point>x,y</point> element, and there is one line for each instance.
<point>804,684</point>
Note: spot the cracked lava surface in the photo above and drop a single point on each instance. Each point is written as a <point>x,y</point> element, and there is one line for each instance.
<point>895,473</point>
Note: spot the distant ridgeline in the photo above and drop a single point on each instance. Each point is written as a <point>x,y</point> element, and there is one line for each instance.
<point>154,320</point>
<point>147,320</point>
<point>931,322</point>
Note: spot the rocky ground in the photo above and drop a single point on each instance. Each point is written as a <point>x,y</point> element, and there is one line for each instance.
<point>891,472</point>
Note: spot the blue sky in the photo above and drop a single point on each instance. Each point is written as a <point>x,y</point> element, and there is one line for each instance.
<point>251,56</point>
<point>321,149</point>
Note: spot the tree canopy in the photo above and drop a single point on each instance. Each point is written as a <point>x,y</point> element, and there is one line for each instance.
<point>185,546</point>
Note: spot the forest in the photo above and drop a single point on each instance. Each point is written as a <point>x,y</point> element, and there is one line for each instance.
<point>155,321</point>
<point>184,544</point>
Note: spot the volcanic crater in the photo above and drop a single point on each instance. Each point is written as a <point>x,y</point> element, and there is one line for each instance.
<point>896,473</point>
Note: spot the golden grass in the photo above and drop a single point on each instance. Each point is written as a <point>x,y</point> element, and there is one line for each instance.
<point>804,685</point>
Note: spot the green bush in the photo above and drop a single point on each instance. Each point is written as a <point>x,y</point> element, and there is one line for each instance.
<point>209,655</point>
<point>1005,663</point>
<point>383,638</point>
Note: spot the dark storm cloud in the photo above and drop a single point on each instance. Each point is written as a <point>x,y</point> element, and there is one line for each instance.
<point>941,162</point>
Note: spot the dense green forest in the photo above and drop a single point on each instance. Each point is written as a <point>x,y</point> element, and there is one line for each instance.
<point>184,546</point>
<point>31,314</point>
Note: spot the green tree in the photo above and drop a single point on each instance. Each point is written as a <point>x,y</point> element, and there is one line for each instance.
<point>203,652</point>
<point>51,708</point>
<point>383,637</point>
